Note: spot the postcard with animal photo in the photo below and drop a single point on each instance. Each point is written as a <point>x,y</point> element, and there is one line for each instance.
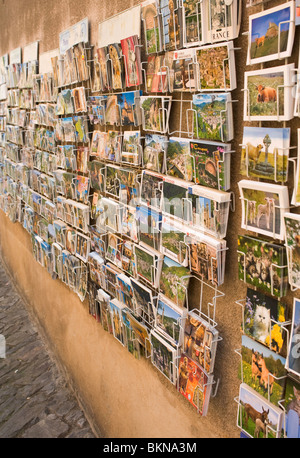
<point>154,152</point>
<point>263,265</point>
<point>200,341</point>
<point>271,34</point>
<point>132,61</point>
<point>194,384</point>
<point>268,94</point>
<point>292,241</point>
<point>293,359</point>
<point>211,163</point>
<point>263,207</point>
<point>169,320</point>
<point>173,240</point>
<point>265,153</point>
<point>292,407</point>
<point>163,356</point>
<point>194,31</point>
<point>131,147</point>
<point>116,308</point>
<point>178,159</point>
<point>257,416</point>
<point>216,67</point>
<point>174,281</point>
<point>151,21</point>
<point>213,119</point>
<point>264,319</point>
<point>263,370</point>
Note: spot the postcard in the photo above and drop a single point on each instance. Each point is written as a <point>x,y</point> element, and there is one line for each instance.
<point>143,302</point>
<point>163,356</point>
<point>139,332</point>
<point>209,210</point>
<point>293,360</point>
<point>57,259</point>
<point>174,281</point>
<point>116,308</point>
<point>104,68</point>
<point>125,293</point>
<point>265,153</point>
<point>129,223</point>
<point>131,343</point>
<point>178,159</point>
<point>152,26</point>
<point>194,384</point>
<point>292,225</point>
<point>151,189</point>
<point>114,249</point>
<point>263,370</point>
<point>132,60</point>
<point>131,147</point>
<point>169,320</point>
<point>291,406</point>
<point>112,110</point>
<point>295,200</point>
<point>117,65</point>
<point>216,67</point>
<point>271,34</point>
<point>79,99</point>
<point>264,318</point>
<point>200,341</point>
<point>149,227</point>
<point>173,240</point>
<point>174,198</point>
<point>213,116</point>
<point>147,264</point>
<point>110,273</point>
<point>268,94</point>
<point>81,59</point>
<point>81,129</point>
<point>128,105</point>
<point>263,265</point>
<point>95,263</point>
<point>70,240</point>
<point>155,113</point>
<point>194,32</point>
<point>263,207</point>
<point>184,68</point>
<point>96,172</point>
<point>171,24</point>
<point>154,152</point>
<point>257,416</point>
<point>83,244</point>
<point>103,300</point>
<point>211,164</point>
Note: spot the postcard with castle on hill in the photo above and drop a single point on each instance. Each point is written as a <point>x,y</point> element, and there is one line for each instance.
<point>271,34</point>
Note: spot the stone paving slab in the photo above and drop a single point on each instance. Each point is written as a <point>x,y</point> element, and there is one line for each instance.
<point>35,401</point>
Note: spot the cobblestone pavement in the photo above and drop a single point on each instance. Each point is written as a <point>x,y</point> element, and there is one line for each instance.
<point>35,401</point>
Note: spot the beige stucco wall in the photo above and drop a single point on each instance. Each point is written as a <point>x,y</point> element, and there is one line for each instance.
<point>124,397</point>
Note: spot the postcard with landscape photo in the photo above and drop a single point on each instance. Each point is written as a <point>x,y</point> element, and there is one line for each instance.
<point>265,153</point>
<point>173,240</point>
<point>178,159</point>
<point>200,341</point>
<point>271,34</point>
<point>143,301</point>
<point>213,116</point>
<point>263,207</point>
<point>263,370</point>
<point>264,318</point>
<point>194,384</point>
<point>268,94</point>
<point>171,24</point>
<point>145,264</point>
<point>151,189</point>
<point>154,152</point>
<point>291,406</point>
<point>169,320</point>
<point>254,407</point>
<point>174,195</point>
<point>152,113</point>
<point>116,308</point>
<point>149,226</point>
<point>263,265</point>
<point>293,359</point>
<point>216,67</point>
<point>163,356</point>
<point>131,147</point>
<point>174,281</point>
